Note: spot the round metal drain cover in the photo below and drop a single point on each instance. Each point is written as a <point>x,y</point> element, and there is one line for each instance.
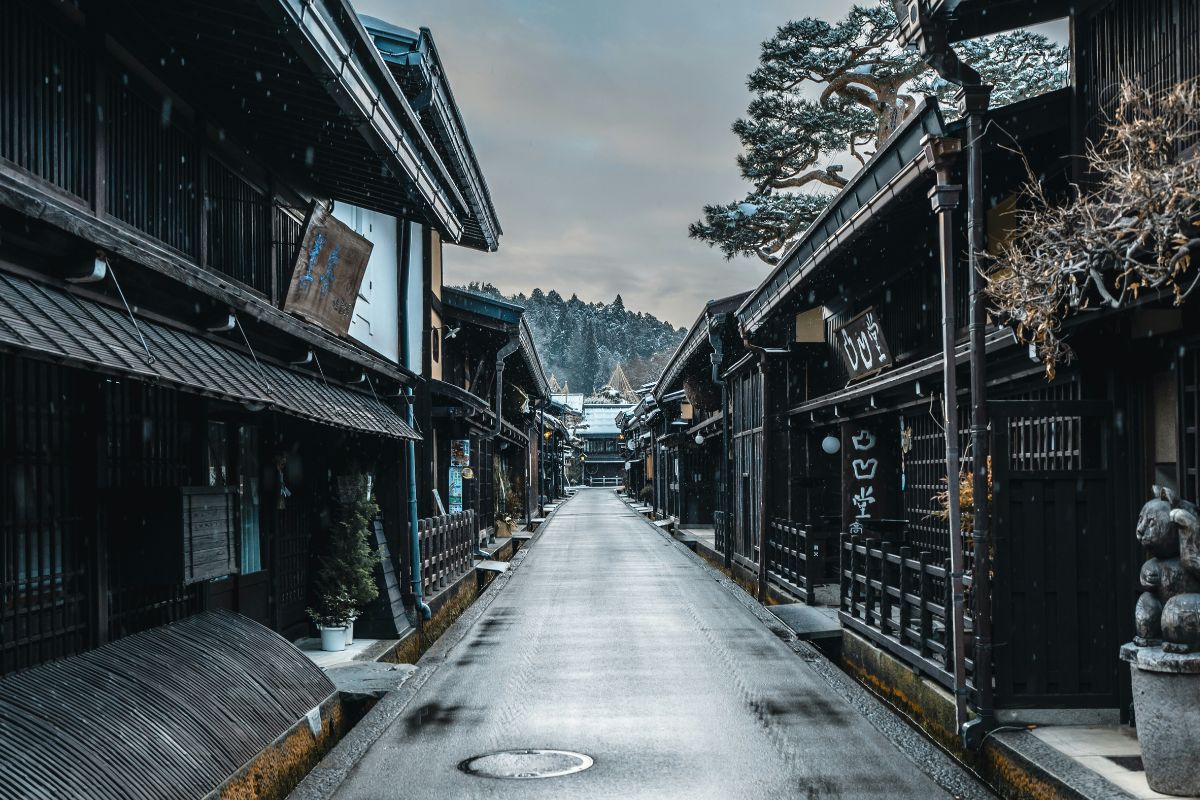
<point>526,764</point>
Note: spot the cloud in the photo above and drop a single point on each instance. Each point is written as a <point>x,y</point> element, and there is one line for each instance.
<point>602,129</point>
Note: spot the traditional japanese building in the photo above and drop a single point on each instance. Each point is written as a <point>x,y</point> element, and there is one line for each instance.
<point>603,456</point>
<point>487,397</point>
<point>838,414</point>
<point>219,295</point>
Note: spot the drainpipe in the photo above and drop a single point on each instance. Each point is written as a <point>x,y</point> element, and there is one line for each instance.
<point>973,98</point>
<point>764,458</point>
<point>403,244</point>
<point>718,356</point>
<point>510,347</point>
<point>414,537</point>
<point>973,101</point>
<point>944,199</point>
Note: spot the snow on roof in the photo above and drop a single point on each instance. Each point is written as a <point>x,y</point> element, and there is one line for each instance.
<point>601,418</point>
<point>571,401</point>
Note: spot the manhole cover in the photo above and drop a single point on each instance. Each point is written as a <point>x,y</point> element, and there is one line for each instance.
<point>526,764</point>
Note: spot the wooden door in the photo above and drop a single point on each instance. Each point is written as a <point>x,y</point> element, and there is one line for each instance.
<point>1058,568</point>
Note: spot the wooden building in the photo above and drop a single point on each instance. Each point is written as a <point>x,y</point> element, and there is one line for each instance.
<point>487,433</point>
<point>603,456</point>
<point>195,342</point>
<point>837,415</point>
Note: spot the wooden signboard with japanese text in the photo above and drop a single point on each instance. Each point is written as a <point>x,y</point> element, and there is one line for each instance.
<point>870,478</point>
<point>861,346</point>
<point>330,261</point>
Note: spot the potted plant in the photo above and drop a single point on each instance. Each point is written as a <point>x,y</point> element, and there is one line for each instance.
<point>331,616</point>
<point>347,567</point>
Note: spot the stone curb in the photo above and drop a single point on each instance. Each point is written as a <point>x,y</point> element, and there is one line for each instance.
<point>325,778</point>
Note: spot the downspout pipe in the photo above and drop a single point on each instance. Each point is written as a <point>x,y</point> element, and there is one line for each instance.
<point>423,611</point>
<point>414,538</point>
<point>764,458</point>
<point>715,327</point>
<point>510,347</point>
<point>973,99</point>
<point>944,198</point>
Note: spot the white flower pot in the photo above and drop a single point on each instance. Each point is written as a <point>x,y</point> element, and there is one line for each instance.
<point>350,632</point>
<point>333,640</point>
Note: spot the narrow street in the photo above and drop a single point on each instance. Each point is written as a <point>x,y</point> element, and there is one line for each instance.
<point>611,641</point>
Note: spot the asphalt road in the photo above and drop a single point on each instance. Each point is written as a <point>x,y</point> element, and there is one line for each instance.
<point>611,641</point>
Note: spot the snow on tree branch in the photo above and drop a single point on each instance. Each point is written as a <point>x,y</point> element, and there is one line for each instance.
<point>823,90</point>
<point>1133,231</point>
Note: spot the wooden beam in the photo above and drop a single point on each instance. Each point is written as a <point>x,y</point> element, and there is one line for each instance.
<point>25,196</point>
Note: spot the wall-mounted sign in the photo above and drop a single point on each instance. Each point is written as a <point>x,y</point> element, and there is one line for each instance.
<point>460,452</point>
<point>861,346</point>
<point>456,490</point>
<point>328,272</point>
<point>870,479</point>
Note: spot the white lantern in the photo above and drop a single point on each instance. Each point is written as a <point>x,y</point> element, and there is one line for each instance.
<point>831,444</point>
<point>699,438</point>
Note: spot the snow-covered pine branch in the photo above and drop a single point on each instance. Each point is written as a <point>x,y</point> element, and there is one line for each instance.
<point>823,90</point>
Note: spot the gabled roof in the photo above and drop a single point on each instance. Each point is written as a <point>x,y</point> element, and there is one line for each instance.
<point>601,418</point>
<point>970,19</point>
<point>869,188</point>
<point>302,86</point>
<point>501,315</point>
<point>413,59</point>
<point>697,338</point>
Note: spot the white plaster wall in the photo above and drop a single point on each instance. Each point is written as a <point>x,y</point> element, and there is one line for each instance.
<point>375,322</point>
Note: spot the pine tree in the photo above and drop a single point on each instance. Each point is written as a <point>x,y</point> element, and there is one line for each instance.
<point>868,85</point>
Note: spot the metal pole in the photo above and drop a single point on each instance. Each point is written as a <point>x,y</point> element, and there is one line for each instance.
<point>944,198</point>
<point>973,102</point>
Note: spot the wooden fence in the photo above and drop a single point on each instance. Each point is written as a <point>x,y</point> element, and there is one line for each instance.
<point>899,598</point>
<point>799,557</point>
<point>446,546</point>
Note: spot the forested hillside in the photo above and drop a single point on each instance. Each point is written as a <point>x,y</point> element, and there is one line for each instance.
<point>580,342</point>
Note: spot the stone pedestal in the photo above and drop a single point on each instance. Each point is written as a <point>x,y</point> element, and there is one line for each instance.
<point>1166,702</point>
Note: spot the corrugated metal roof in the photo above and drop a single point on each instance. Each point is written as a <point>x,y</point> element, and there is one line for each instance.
<point>601,418</point>
<point>171,712</point>
<point>50,323</point>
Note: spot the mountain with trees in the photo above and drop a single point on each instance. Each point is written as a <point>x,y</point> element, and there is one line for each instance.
<point>827,92</point>
<point>581,343</point>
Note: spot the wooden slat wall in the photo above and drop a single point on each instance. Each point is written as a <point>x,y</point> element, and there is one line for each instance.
<point>43,579</point>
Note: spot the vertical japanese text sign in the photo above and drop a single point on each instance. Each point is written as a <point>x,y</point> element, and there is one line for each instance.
<point>869,476</point>
<point>460,458</point>
<point>861,346</point>
<point>330,261</point>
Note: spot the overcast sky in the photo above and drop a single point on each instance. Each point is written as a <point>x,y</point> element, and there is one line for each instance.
<point>602,129</point>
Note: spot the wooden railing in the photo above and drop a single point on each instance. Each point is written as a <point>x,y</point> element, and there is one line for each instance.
<point>799,557</point>
<point>446,546</point>
<point>899,598</point>
<point>720,531</point>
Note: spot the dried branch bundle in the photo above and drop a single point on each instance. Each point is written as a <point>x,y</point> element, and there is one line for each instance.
<point>1134,231</point>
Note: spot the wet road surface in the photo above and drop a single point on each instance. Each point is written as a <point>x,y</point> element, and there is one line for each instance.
<point>611,641</point>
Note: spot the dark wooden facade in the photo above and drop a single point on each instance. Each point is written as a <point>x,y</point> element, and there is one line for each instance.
<point>134,458</point>
<point>1071,459</point>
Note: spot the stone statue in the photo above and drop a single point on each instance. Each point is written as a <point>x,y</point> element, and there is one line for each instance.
<point>1168,612</point>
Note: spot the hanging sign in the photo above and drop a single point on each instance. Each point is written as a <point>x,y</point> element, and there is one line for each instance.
<point>460,452</point>
<point>861,346</point>
<point>456,490</point>
<point>870,478</point>
<point>330,262</point>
